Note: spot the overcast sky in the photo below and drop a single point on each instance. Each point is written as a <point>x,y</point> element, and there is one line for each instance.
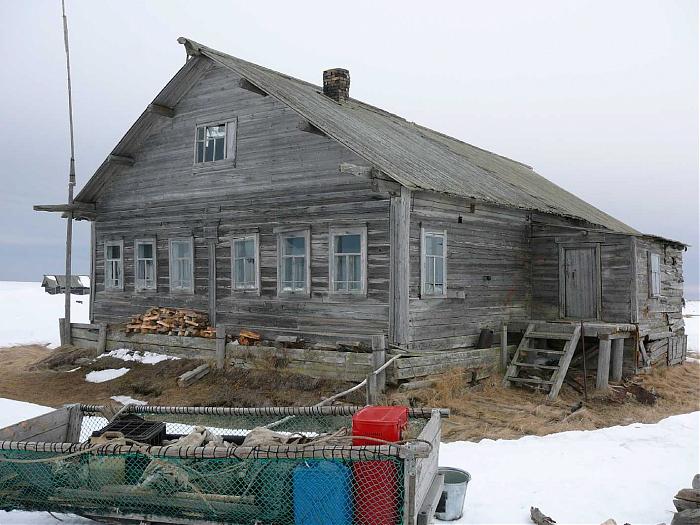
<point>600,97</point>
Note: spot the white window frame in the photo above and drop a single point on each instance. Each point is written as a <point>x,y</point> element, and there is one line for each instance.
<point>180,289</point>
<point>306,234</point>
<point>256,250</point>
<point>120,262</point>
<point>333,233</point>
<point>424,232</point>
<point>139,284</point>
<point>654,276</point>
<point>230,140</point>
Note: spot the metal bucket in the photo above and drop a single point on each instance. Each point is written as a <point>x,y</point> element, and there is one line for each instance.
<point>451,502</point>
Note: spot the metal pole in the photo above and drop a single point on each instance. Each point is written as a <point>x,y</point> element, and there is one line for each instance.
<point>71,185</point>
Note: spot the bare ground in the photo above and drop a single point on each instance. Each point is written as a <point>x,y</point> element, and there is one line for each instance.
<point>491,411</point>
<point>40,375</point>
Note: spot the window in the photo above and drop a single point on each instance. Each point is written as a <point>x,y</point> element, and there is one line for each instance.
<point>114,265</point>
<point>293,263</point>
<point>348,260</point>
<point>181,265</point>
<point>216,141</point>
<point>433,263</point>
<point>244,257</point>
<point>654,275</point>
<point>145,264</point>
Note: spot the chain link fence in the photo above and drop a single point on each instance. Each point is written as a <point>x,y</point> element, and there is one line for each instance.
<point>328,483</point>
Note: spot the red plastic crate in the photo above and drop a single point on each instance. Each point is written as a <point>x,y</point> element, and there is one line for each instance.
<point>382,422</point>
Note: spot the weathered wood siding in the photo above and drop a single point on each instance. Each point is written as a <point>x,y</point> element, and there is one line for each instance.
<point>665,312</point>
<point>282,177</point>
<point>488,271</point>
<point>616,270</point>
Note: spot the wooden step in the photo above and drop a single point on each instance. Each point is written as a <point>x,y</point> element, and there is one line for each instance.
<point>533,381</point>
<point>543,351</point>
<point>549,335</point>
<point>535,365</point>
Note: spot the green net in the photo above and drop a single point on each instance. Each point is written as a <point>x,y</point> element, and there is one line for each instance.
<point>334,484</point>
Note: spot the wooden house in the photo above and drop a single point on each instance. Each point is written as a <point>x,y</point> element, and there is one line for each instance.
<point>55,284</point>
<point>289,208</point>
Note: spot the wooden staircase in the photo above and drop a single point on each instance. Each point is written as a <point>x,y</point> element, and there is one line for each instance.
<point>535,364</point>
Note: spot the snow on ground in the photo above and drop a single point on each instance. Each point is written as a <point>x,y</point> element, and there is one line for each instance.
<point>148,358</point>
<point>126,400</point>
<point>628,473</point>
<point>12,411</point>
<point>30,315</point>
<point>100,376</point>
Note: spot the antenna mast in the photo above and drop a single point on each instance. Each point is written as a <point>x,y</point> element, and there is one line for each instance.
<point>71,184</point>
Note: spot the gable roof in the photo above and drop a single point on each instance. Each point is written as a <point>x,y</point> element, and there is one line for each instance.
<point>413,155</point>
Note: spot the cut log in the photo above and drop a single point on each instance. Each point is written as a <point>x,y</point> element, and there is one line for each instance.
<point>190,377</point>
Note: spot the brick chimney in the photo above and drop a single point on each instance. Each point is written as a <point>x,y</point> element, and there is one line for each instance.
<point>336,84</point>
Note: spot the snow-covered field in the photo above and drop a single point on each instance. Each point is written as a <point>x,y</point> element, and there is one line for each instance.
<point>30,315</point>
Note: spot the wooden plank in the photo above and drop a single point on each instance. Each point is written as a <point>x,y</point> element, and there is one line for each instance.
<point>603,369</point>
<point>378,359</point>
<point>504,348</point>
<point>617,356</point>
<point>564,362</point>
<point>399,271</point>
<point>512,370</point>
<point>425,469</point>
<point>220,346</point>
<point>50,427</point>
<point>191,376</point>
<point>102,339</point>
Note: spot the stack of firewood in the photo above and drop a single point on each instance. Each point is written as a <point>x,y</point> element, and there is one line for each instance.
<point>172,321</point>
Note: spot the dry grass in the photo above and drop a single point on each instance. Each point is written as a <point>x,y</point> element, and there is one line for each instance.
<point>491,411</point>
<point>40,375</point>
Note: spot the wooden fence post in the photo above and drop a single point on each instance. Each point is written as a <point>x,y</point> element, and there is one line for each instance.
<point>62,330</point>
<point>372,394</point>
<point>220,346</point>
<point>378,359</point>
<point>102,339</point>
<point>504,348</point>
<point>618,350</point>
<point>603,370</point>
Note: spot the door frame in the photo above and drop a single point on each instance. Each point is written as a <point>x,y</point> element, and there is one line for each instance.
<point>562,276</point>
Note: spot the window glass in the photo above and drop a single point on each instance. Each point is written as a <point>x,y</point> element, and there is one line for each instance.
<point>145,266</point>
<point>210,143</point>
<point>347,263</point>
<point>113,267</point>
<point>181,265</point>
<point>244,267</point>
<point>294,264</point>
<point>434,263</point>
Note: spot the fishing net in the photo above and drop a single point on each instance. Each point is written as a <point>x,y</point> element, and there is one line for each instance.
<point>319,479</point>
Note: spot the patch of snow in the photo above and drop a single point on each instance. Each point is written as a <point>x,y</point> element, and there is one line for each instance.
<point>73,370</point>
<point>12,412</point>
<point>148,358</point>
<point>580,476</point>
<point>126,400</point>
<point>101,376</point>
<point>30,315</point>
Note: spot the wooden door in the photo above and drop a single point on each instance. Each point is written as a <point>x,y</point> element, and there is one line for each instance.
<point>581,283</point>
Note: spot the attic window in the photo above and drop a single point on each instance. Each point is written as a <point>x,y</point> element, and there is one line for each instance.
<point>654,275</point>
<point>215,142</point>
